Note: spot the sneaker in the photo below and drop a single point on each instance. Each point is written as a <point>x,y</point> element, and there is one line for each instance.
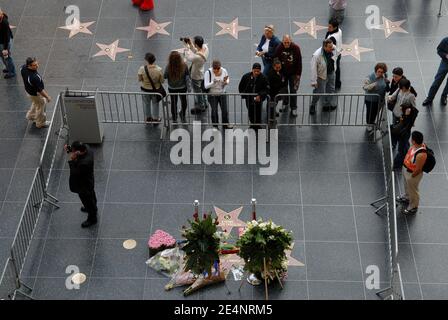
<point>45,125</point>
<point>427,102</point>
<point>229,126</point>
<point>402,199</point>
<point>443,101</point>
<point>410,211</point>
<point>5,71</point>
<point>294,113</point>
<point>148,119</point>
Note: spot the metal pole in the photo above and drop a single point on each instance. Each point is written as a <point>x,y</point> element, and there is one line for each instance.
<point>254,211</point>
<point>440,9</point>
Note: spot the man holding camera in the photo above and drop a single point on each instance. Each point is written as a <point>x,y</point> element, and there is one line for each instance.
<point>82,180</point>
<point>197,53</point>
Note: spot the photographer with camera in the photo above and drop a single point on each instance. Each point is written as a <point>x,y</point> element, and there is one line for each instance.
<point>197,52</point>
<point>82,179</point>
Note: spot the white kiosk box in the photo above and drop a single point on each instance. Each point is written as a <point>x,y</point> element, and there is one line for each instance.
<point>82,118</point>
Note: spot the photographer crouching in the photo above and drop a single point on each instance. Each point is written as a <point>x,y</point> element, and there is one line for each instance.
<point>82,180</point>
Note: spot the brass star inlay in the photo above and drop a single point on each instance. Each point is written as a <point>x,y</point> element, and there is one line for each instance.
<point>353,49</point>
<point>233,28</point>
<point>229,220</point>
<point>390,27</point>
<point>78,27</point>
<point>292,262</point>
<point>154,28</point>
<point>310,27</point>
<point>110,50</point>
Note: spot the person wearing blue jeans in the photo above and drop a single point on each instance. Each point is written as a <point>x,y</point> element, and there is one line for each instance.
<point>442,51</point>
<point>5,46</point>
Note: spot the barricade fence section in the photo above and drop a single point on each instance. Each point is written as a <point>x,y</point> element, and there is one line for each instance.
<point>347,110</point>
<point>8,283</point>
<point>395,290</point>
<point>57,136</point>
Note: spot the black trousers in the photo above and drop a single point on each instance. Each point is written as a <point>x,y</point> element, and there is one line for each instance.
<point>338,83</point>
<point>174,98</point>
<point>254,110</point>
<point>372,111</point>
<point>88,200</point>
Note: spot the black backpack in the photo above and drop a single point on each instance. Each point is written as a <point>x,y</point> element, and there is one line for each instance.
<point>430,162</point>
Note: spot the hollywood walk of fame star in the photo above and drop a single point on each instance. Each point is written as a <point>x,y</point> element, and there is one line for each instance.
<point>78,27</point>
<point>390,27</point>
<point>292,262</point>
<point>353,49</point>
<point>233,28</point>
<point>154,28</point>
<point>110,50</point>
<point>229,220</point>
<point>310,27</point>
<point>229,260</point>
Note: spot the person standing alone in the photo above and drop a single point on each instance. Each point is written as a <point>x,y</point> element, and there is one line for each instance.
<point>442,51</point>
<point>82,179</point>
<point>5,46</point>
<point>34,86</point>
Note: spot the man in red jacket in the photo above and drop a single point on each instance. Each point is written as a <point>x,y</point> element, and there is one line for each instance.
<point>290,56</point>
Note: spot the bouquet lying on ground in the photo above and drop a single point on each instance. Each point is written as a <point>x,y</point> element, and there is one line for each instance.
<point>160,241</point>
<point>262,246</point>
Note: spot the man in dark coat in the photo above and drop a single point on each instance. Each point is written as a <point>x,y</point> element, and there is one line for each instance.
<point>254,82</point>
<point>5,46</point>
<point>82,179</point>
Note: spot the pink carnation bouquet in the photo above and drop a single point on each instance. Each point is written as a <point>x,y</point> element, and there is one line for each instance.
<point>160,241</point>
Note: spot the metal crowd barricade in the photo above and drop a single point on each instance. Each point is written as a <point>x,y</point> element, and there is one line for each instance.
<point>351,111</point>
<point>238,112</point>
<point>395,290</point>
<point>124,107</point>
<point>57,136</point>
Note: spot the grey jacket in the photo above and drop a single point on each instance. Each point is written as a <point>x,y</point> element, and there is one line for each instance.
<point>402,98</point>
<point>319,65</point>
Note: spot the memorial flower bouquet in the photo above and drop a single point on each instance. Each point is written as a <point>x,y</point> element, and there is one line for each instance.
<point>160,241</point>
<point>202,252</point>
<point>262,246</point>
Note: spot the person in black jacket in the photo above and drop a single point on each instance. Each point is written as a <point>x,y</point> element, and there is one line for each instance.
<point>442,51</point>
<point>5,46</point>
<point>278,84</point>
<point>82,179</point>
<point>397,75</point>
<point>401,133</point>
<point>254,82</point>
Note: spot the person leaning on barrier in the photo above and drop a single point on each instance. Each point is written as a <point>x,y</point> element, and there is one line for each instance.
<point>151,78</point>
<point>254,82</point>
<point>178,77</point>
<point>277,82</point>
<point>216,80</point>
<point>323,67</point>
<point>290,56</point>
<point>375,85</point>
<point>413,172</point>
<point>82,179</point>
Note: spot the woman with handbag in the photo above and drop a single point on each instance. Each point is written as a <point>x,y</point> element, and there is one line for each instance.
<point>178,76</point>
<point>151,79</point>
